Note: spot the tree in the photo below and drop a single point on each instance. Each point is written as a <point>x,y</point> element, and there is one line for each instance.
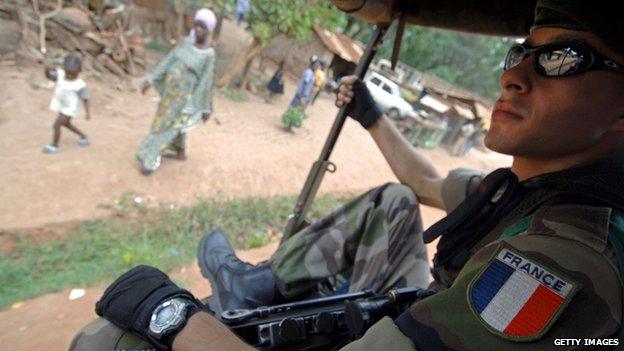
<point>266,19</point>
<point>471,61</point>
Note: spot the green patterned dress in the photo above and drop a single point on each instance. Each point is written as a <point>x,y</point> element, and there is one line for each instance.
<point>184,81</point>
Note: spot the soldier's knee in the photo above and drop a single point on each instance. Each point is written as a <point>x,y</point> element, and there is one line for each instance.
<point>396,191</point>
<point>101,335</point>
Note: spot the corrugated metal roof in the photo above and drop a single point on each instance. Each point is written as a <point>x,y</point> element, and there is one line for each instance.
<point>435,103</point>
<point>443,87</point>
<point>463,110</point>
<point>340,44</point>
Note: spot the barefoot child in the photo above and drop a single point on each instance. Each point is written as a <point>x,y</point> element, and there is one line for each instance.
<point>68,92</point>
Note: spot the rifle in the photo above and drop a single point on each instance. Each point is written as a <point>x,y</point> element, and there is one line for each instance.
<point>318,324</point>
<point>297,220</point>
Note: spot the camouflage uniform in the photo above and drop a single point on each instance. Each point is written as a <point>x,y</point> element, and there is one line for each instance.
<point>375,240</point>
<point>576,242</point>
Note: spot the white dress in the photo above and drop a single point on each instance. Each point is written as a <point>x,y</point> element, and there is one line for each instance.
<point>68,94</point>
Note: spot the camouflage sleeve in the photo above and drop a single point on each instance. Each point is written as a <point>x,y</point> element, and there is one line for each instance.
<point>383,335</point>
<point>556,280</point>
<point>458,185</point>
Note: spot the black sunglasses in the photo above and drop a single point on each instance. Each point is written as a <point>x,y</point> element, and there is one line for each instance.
<point>561,59</point>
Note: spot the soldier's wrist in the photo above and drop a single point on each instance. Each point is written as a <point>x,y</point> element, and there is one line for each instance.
<point>370,117</point>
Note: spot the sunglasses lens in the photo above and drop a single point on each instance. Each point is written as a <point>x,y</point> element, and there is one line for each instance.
<point>561,61</point>
<point>514,56</point>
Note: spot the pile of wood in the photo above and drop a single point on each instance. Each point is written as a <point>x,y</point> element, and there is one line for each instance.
<point>62,28</point>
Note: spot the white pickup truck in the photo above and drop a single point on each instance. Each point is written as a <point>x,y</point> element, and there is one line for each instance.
<point>387,95</point>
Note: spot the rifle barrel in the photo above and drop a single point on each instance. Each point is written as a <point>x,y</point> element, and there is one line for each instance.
<point>315,176</point>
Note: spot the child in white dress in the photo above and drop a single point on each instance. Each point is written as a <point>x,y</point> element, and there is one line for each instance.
<point>68,92</point>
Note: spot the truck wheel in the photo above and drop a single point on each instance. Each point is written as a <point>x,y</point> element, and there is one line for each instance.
<point>394,113</point>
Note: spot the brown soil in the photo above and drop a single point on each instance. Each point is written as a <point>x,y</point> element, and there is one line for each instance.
<point>247,154</point>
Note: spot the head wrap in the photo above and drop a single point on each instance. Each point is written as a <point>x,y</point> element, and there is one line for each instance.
<point>207,17</point>
<point>600,17</point>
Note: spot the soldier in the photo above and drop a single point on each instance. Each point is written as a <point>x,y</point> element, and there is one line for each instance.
<point>528,256</point>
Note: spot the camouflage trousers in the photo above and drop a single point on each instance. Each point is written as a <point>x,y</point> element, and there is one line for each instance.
<point>374,240</point>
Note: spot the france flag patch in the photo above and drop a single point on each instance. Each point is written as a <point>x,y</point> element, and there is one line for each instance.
<point>518,298</point>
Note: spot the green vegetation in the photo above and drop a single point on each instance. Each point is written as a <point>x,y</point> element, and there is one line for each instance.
<point>472,61</point>
<point>235,95</point>
<point>165,237</point>
<point>293,18</point>
<point>267,19</point>
<point>293,117</point>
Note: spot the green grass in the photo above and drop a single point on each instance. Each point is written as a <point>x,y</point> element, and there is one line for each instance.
<point>236,95</point>
<point>165,237</point>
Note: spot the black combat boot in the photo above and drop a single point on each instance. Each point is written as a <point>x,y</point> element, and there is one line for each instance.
<point>235,284</point>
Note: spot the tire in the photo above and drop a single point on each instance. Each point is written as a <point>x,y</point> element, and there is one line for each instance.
<point>394,113</point>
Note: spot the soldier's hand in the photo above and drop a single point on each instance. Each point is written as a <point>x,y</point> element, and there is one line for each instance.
<point>354,94</point>
<point>131,299</point>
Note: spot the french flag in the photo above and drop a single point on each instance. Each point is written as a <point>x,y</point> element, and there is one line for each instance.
<point>518,297</point>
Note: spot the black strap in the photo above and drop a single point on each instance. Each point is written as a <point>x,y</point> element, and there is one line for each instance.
<point>486,190</point>
<point>500,200</point>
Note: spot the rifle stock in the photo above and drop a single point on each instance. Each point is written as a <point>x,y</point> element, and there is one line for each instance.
<point>297,220</point>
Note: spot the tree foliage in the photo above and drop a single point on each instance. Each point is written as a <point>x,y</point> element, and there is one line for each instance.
<point>468,60</point>
<point>293,18</point>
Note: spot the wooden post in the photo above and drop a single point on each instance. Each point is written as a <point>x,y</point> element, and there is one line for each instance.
<point>42,18</point>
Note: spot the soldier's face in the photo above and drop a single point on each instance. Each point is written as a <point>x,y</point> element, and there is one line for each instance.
<point>551,117</point>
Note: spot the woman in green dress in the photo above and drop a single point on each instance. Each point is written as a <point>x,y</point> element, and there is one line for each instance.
<point>184,81</point>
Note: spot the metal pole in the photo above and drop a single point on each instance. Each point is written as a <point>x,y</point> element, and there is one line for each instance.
<point>296,220</point>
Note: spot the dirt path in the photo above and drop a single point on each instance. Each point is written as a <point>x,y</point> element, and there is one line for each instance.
<point>247,154</point>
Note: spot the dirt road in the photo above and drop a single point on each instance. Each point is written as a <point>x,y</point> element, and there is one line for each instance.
<point>248,154</point>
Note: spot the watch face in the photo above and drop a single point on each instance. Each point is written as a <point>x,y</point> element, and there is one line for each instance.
<point>168,316</point>
<point>165,314</point>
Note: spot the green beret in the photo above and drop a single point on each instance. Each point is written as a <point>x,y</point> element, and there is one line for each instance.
<point>602,18</point>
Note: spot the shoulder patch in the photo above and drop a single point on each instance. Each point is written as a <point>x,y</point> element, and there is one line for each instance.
<point>518,298</point>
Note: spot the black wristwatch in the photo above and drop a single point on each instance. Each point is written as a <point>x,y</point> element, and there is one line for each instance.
<point>169,317</point>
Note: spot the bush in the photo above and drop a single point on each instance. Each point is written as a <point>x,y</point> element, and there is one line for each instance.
<point>236,95</point>
<point>292,117</point>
